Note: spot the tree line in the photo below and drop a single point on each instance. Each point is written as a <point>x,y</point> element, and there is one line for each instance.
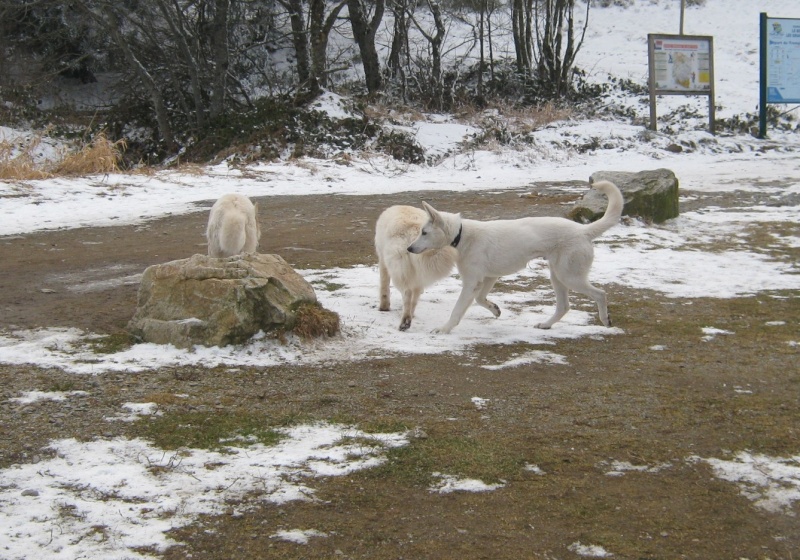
<point>189,63</point>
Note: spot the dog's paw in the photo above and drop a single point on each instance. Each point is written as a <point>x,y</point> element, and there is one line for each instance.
<point>405,324</point>
<point>542,326</point>
<point>442,330</point>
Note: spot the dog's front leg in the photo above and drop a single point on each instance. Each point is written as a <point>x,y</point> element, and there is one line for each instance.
<point>469,289</point>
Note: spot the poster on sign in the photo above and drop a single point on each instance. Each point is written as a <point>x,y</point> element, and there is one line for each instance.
<point>681,64</point>
<point>783,60</point>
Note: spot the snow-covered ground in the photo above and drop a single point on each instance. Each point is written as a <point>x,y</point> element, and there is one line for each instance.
<point>114,480</point>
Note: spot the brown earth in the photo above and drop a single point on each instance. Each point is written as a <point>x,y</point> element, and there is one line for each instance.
<point>617,399</point>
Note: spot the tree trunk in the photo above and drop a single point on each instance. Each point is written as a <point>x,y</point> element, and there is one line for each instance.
<point>364,33</point>
<point>522,32</point>
<point>436,52</point>
<point>299,40</point>
<point>482,60</point>
<point>220,57</point>
<point>399,46</point>
<point>320,30</point>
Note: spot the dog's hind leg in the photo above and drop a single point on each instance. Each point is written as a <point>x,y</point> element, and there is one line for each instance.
<point>571,272</point>
<point>575,274</point>
<point>410,299</point>
<point>486,287</point>
<point>562,301</point>
<point>383,289</point>
<point>599,296</point>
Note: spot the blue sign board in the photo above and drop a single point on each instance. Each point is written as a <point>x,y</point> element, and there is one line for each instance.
<point>783,60</point>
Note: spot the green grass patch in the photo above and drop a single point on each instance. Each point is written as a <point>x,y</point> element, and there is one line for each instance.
<point>489,461</point>
<point>111,344</point>
<point>327,286</point>
<point>58,386</point>
<point>204,430</point>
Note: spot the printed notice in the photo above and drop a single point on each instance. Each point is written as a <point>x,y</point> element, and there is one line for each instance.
<point>783,60</point>
<point>682,64</point>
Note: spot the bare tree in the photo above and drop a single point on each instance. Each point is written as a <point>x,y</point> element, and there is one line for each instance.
<point>402,10</point>
<point>109,20</point>
<point>321,26</point>
<point>300,40</point>
<point>310,34</point>
<point>364,31</point>
<point>183,39</point>
<point>522,31</point>
<point>43,39</point>
<point>435,40</point>
<point>220,56</point>
<point>558,44</point>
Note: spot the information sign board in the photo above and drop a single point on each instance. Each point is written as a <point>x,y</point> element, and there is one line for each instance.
<point>783,60</point>
<point>681,65</point>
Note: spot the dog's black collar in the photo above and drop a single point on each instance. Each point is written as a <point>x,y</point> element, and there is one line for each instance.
<point>458,237</point>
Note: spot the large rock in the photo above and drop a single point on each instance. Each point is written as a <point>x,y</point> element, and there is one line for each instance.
<point>650,195</point>
<point>214,302</point>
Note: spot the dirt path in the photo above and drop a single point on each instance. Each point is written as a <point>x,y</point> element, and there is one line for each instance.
<point>617,399</point>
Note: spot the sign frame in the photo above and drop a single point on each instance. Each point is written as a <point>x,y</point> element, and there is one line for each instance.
<point>681,65</point>
<point>778,50</point>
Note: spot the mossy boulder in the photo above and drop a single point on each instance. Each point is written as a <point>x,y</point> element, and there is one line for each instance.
<point>649,195</point>
<point>220,301</point>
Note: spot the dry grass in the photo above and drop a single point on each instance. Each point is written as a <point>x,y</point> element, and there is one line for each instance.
<point>522,119</point>
<point>394,112</point>
<point>101,155</point>
<point>314,321</point>
<point>22,165</point>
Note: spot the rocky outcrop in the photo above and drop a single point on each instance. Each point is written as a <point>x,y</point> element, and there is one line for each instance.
<point>215,302</point>
<point>649,195</point>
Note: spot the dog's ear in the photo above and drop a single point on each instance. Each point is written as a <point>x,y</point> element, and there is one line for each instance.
<point>434,215</point>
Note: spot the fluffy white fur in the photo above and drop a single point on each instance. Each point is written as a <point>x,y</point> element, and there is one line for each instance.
<point>489,250</point>
<point>396,227</point>
<point>232,226</point>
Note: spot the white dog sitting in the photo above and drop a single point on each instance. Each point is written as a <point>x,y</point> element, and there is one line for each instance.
<point>232,226</point>
<point>395,229</point>
<point>489,250</point>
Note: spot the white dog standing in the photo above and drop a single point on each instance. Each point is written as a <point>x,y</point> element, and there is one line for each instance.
<point>232,226</point>
<point>395,229</point>
<point>489,250</point>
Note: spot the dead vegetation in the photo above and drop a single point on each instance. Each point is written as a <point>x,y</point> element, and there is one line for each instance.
<point>18,161</point>
<point>314,321</point>
<point>20,165</point>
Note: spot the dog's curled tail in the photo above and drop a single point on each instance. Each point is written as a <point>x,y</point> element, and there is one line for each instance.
<point>613,210</point>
